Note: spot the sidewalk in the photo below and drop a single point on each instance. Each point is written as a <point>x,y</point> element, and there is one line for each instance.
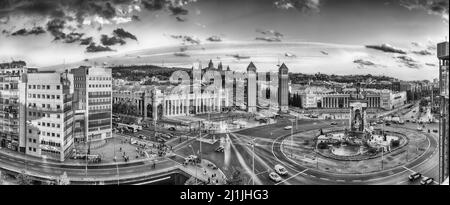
<point>202,172</point>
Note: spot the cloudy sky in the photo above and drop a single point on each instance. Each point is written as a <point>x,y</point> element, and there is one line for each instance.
<point>49,32</point>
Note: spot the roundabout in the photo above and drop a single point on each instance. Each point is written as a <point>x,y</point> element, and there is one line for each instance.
<point>299,153</point>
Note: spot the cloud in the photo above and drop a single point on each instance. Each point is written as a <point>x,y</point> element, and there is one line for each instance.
<point>423,53</point>
<point>136,18</point>
<point>362,64</point>
<point>93,48</point>
<point>178,10</point>
<point>432,7</point>
<point>62,18</point>
<point>34,31</point>
<point>408,62</point>
<point>214,39</point>
<point>186,39</point>
<point>73,37</point>
<point>86,41</point>
<point>111,41</point>
<point>268,39</point>
<point>121,33</point>
<point>386,48</point>
<point>55,27</point>
<point>301,5</point>
<point>180,19</point>
<point>270,32</point>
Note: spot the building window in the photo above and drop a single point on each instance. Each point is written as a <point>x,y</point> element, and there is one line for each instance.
<point>48,87</point>
<point>30,131</point>
<point>34,149</point>
<point>58,87</point>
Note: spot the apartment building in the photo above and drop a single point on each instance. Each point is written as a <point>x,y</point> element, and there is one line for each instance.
<point>12,109</point>
<point>92,103</point>
<point>49,130</point>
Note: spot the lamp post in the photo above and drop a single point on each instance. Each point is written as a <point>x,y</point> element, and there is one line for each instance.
<point>195,166</point>
<point>252,144</point>
<point>292,138</point>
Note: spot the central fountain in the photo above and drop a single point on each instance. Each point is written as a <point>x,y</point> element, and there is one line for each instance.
<point>358,140</point>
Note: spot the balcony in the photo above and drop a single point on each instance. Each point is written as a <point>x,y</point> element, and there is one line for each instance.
<point>46,110</point>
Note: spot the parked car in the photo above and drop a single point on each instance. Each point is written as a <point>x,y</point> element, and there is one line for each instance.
<point>334,123</point>
<point>220,149</point>
<point>172,129</point>
<point>419,128</point>
<point>435,131</point>
<point>415,176</point>
<point>427,181</point>
<point>288,128</point>
<point>212,166</point>
<point>275,177</point>
<point>280,170</point>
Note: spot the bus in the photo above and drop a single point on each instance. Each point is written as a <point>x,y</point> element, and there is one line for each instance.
<point>132,128</point>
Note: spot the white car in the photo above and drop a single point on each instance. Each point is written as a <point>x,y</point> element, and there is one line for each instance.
<point>419,128</point>
<point>275,177</point>
<point>280,170</point>
<point>288,128</point>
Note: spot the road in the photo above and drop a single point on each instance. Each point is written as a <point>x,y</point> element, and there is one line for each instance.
<point>38,167</point>
<point>268,153</point>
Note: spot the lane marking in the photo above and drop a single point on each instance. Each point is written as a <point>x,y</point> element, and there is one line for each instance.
<point>409,169</point>
<point>292,177</point>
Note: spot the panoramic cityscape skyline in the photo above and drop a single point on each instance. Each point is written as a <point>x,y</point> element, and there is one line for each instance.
<point>198,92</point>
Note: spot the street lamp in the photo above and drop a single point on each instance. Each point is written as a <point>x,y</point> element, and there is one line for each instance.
<point>252,144</point>
<point>382,155</point>
<point>292,138</point>
<point>195,166</point>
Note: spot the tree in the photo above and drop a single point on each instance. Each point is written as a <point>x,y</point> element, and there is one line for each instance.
<point>23,178</point>
<point>63,179</point>
<point>395,143</point>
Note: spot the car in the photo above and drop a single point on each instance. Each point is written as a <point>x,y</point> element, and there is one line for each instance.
<point>280,170</point>
<point>419,128</point>
<point>334,123</point>
<point>427,181</point>
<point>275,177</point>
<point>407,121</point>
<point>288,128</point>
<point>415,176</point>
<point>388,124</point>
<point>191,158</point>
<point>172,129</point>
<point>212,166</point>
<point>220,149</point>
<point>435,131</point>
<point>414,121</point>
